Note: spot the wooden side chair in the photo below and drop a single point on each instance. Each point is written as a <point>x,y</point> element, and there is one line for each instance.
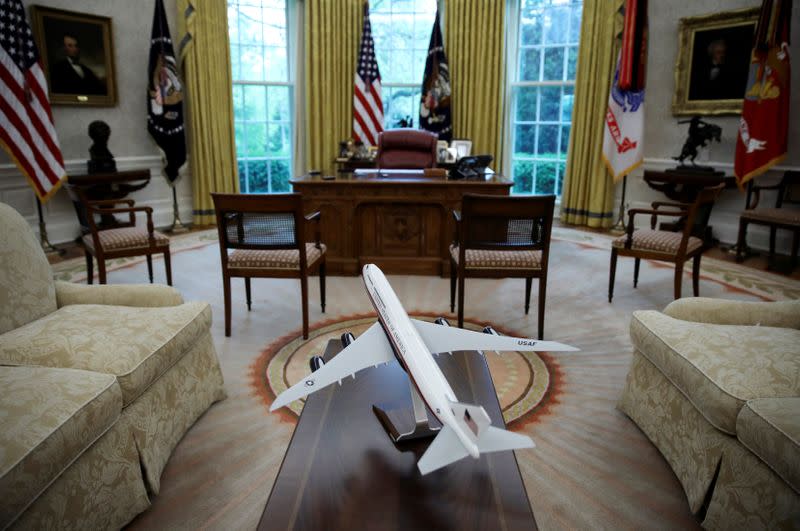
<point>124,240</point>
<point>502,237</point>
<point>663,245</point>
<point>266,236</point>
<point>781,216</point>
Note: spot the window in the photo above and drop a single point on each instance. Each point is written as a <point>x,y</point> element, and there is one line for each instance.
<point>402,31</point>
<point>542,91</point>
<point>263,93</point>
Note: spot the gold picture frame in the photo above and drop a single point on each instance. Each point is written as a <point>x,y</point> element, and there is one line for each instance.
<point>77,56</point>
<point>713,62</point>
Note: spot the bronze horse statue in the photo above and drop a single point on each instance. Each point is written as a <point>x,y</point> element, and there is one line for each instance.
<point>700,133</point>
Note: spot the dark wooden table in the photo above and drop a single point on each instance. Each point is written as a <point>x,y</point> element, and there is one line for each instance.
<point>110,185</point>
<point>400,222</point>
<point>341,470</point>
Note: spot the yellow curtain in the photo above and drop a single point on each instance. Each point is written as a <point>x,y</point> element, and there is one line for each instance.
<point>332,31</point>
<point>474,39</point>
<point>588,196</point>
<point>209,102</point>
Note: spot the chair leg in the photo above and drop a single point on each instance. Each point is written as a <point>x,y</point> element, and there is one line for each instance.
<point>101,271</point>
<point>772,233</point>
<point>461,301</point>
<point>696,275</point>
<point>637,262</point>
<point>226,288</point>
<point>528,282</point>
<point>542,297</point>
<point>453,274</point>
<point>168,267</point>
<point>150,267</point>
<point>304,294</point>
<point>611,274</point>
<point>247,293</point>
<point>678,280</point>
<point>741,240</point>
<point>322,285</point>
<point>89,268</point>
<point>795,249</point>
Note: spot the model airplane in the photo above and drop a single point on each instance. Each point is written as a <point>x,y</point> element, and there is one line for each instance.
<point>466,428</point>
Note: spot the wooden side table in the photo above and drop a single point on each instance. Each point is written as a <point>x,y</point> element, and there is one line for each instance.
<point>96,186</point>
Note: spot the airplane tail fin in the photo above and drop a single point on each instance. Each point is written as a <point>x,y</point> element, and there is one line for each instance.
<point>448,448</point>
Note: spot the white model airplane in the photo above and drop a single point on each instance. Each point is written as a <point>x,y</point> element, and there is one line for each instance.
<point>466,428</point>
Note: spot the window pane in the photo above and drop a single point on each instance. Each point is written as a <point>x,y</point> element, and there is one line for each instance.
<point>531,27</point>
<point>523,177</point>
<point>258,176</point>
<point>564,140</point>
<point>575,25</point>
<point>562,168</point>
<point>526,104</point>
<point>252,63</point>
<point>278,141</point>
<point>550,99</point>
<point>556,25</point>
<point>572,62</point>
<point>546,173</point>
<point>255,103</point>
<point>255,139</point>
<point>525,140</point>
<point>553,64</point>
<point>233,24</point>
<point>547,144</point>
<point>243,185</point>
<point>250,29</point>
<point>277,66</point>
<point>238,101</point>
<point>279,106</point>
<point>529,64</point>
<point>275,27</point>
<point>279,174</point>
<point>238,132</point>
<point>235,62</point>
<point>566,103</point>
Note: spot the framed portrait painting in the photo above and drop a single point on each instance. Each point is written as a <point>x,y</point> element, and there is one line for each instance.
<point>713,62</point>
<point>77,56</point>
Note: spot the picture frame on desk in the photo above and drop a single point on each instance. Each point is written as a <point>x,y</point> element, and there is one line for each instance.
<point>462,147</point>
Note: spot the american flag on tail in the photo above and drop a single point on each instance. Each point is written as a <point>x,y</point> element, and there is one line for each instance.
<point>26,125</point>
<point>367,102</point>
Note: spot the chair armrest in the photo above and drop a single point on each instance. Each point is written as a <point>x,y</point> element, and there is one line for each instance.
<point>111,202</point>
<point>138,295</point>
<point>654,213</point>
<point>782,314</point>
<point>657,204</point>
<point>315,217</point>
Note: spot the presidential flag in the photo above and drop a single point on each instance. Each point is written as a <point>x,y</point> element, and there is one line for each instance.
<point>434,107</point>
<point>763,136</point>
<point>623,138</point>
<point>165,96</point>
<point>27,132</point>
<point>367,102</point>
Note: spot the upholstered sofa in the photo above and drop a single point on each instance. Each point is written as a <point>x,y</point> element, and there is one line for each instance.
<point>715,385</point>
<point>99,383</point>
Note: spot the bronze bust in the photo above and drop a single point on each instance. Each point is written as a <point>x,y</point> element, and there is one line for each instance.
<point>101,160</point>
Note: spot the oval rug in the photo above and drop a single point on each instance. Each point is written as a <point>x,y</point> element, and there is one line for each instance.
<point>527,383</point>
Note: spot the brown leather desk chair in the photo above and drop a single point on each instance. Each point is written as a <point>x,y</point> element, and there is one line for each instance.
<point>407,149</point>
<point>780,217</point>
<point>502,237</point>
<point>266,234</point>
<point>125,240</point>
<point>663,245</point>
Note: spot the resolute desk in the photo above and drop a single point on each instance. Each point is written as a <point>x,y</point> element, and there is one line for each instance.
<point>399,220</point>
<point>341,470</point>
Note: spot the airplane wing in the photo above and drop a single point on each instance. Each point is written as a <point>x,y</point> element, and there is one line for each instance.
<point>371,348</point>
<point>440,338</point>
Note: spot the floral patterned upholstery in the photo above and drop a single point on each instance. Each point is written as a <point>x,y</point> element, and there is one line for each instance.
<point>487,259</point>
<point>126,238</point>
<point>49,418</point>
<point>770,428</point>
<point>773,215</point>
<point>98,338</point>
<point>659,241</point>
<point>278,259</point>
<point>720,367</point>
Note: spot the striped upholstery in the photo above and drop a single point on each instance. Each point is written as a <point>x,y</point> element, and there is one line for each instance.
<point>484,259</point>
<point>658,241</point>
<point>277,259</point>
<point>774,215</point>
<point>126,238</point>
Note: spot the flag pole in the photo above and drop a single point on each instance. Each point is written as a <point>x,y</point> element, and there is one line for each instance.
<point>47,247</point>
<point>620,226</point>
<point>177,226</point>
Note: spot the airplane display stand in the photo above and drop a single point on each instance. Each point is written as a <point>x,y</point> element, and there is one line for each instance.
<point>392,419</point>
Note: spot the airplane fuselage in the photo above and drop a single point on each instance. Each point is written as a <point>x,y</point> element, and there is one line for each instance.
<point>413,354</point>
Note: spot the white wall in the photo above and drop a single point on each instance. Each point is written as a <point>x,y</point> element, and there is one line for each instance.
<point>664,137</point>
<point>130,143</point>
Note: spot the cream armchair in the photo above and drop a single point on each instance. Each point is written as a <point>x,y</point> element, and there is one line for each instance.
<point>100,383</point>
<point>715,385</point>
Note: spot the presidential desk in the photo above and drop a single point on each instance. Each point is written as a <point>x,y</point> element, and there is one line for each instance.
<point>400,221</point>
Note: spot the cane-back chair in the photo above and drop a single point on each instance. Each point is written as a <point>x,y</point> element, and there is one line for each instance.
<point>502,237</point>
<point>664,245</point>
<point>265,235</point>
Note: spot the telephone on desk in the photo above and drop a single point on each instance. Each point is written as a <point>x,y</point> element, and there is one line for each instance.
<point>472,167</point>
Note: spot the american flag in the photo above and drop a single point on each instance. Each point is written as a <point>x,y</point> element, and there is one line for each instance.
<point>26,124</point>
<point>367,103</point>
